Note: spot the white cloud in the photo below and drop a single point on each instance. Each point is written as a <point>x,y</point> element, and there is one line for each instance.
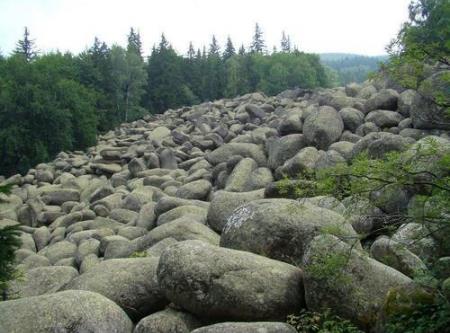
<point>354,26</point>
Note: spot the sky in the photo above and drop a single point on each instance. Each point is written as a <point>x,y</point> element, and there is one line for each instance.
<point>319,26</point>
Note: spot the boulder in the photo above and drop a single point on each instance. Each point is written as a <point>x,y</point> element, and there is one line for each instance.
<point>425,113</point>
<point>168,320</point>
<point>68,311</point>
<point>223,204</point>
<point>385,99</point>
<point>130,283</point>
<point>384,118</point>
<point>347,281</point>
<point>238,179</point>
<point>58,251</point>
<point>323,127</point>
<point>225,152</point>
<point>352,118</point>
<point>217,283</point>
<point>281,229</point>
<point>255,327</point>
<point>180,231</point>
<point>198,190</point>
<point>397,256</point>
<point>41,280</point>
<point>281,149</point>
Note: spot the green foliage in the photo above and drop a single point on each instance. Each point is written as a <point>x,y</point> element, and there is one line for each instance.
<point>331,267</point>
<point>9,243</point>
<point>422,42</point>
<point>424,318</point>
<point>59,102</point>
<point>43,110</point>
<point>347,68</point>
<point>325,322</point>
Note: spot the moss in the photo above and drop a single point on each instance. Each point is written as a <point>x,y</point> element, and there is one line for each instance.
<point>139,254</point>
<point>402,301</point>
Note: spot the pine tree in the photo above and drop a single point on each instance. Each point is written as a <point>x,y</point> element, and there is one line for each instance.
<point>163,44</point>
<point>191,52</point>
<point>242,50</point>
<point>26,47</point>
<point>229,50</point>
<point>134,43</point>
<point>214,47</point>
<point>285,43</point>
<point>258,45</point>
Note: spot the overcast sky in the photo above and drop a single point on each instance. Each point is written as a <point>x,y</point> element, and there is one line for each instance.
<point>351,26</point>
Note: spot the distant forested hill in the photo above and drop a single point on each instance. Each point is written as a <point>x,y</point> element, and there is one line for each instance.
<point>351,67</point>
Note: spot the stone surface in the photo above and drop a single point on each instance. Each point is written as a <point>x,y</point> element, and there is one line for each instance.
<point>130,283</point>
<point>218,283</point>
<point>347,281</point>
<point>256,327</point>
<point>280,228</point>
<point>167,321</point>
<point>41,280</point>
<point>67,311</point>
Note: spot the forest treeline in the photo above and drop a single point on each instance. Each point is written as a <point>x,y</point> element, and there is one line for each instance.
<point>60,101</point>
<point>351,67</point>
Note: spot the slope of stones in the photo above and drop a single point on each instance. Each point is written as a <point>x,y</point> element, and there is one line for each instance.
<point>174,222</point>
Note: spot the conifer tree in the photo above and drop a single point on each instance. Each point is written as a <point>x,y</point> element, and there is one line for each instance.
<point>242,50</point>
<point>214,47</point>
<point>25,47</point>
<point>191,52</point>
<point>285,43</point>
<point>229,50</point>
<point>134,43</point>
<point>258,45</point>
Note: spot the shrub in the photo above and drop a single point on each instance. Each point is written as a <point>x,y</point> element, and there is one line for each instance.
<point>326,322</point>
<point>9,243</point>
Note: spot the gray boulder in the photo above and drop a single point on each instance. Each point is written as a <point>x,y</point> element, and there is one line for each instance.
<point>180,231</point>
<point>384,118</point>
<point>323,127</point>
<point>130,283</point>
<point>397,256</point>
<point>238,178</point>
<point>58,251</point>
<point>225,152</point>
<point>281,229</point>
<point>68,311</point>
<point>41,280</point>
<point>223,204</point>
<point>385,99</point>
<point>352,118</point>
<point>425,114</point>
<point>356,285</point>
<point>198,190</point>
<point>281,149</point>
<point>255,327</point>
<point>167,321</point>
<point>218,283</point>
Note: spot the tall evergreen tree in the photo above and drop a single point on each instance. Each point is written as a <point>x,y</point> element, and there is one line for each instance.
<point>229,50</point>
<point>26,47</point>
<point>285,43</point>
<point>191,52</point>
<point>258,45</point>
<point>242,50</point>
<point>214,47</point>
<point>134,42</point>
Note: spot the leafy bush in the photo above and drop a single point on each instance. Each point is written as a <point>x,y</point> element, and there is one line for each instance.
<point>326,322</point>
<point>9,243</point>
<point>425,318</point>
